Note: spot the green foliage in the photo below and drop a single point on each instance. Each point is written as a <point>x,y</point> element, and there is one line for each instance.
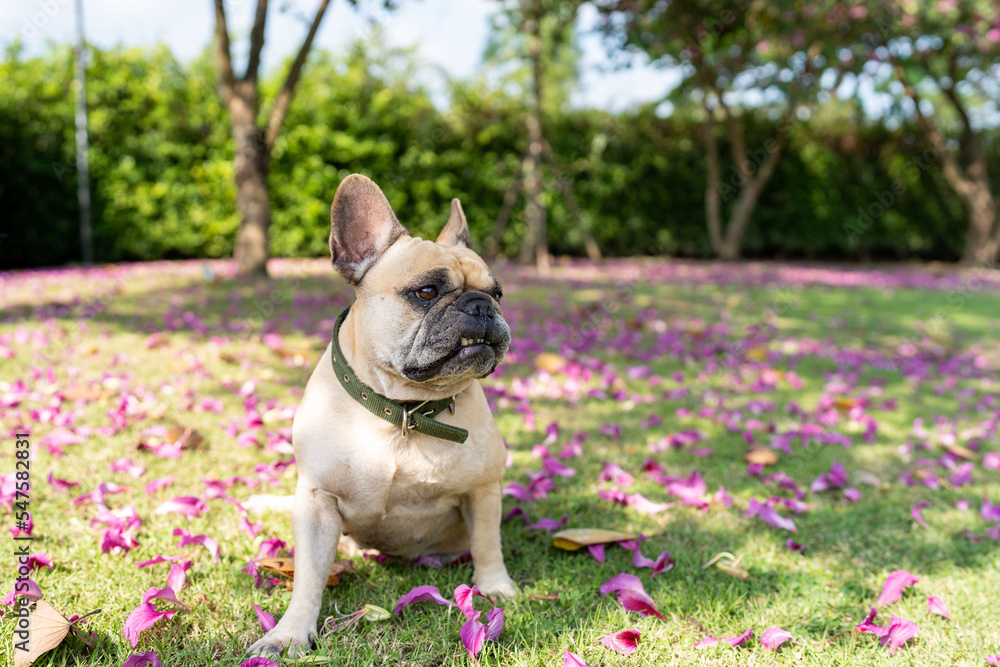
<point>161,166</point>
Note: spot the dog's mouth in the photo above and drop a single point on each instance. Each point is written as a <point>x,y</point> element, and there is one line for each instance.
<point>470,352</point>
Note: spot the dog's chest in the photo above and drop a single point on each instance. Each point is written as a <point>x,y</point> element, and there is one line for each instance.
<point>404,499</point>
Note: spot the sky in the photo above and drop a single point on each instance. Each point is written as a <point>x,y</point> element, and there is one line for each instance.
<point>447,34</point>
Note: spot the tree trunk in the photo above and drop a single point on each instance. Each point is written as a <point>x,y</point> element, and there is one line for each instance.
<point>252,204</point>
<point>536,246</point>
<point>728,245</point>
<point>253,143</point>
<point>982,241</point>
<point>712,187</point>
<point>252,164</point>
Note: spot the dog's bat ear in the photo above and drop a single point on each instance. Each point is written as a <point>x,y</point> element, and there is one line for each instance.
<point>362,227</point>
<point>456,232</point>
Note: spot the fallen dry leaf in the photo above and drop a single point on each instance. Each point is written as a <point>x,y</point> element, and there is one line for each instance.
<point>959,451</point>
<point>286,568</point>
<point>188,437</point>
<point>92,392</point>
<point>48,629</point>
<point>576,538</point>
<point>729,564</point>
<point>548,361</point>
<point>764,456</point>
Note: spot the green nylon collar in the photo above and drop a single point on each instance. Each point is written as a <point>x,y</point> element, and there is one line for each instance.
<point>409,416</point>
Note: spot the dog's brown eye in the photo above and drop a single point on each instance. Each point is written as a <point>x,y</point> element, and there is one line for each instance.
<point>427,293</point>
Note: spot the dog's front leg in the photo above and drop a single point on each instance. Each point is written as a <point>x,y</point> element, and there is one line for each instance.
<point>481,510</point>
<point>316,524</point>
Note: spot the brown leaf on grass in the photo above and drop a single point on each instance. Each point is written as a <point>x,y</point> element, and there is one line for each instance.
<point>733,570</point>
<point>188,437</point>
<point>297,356</point>
<point>846,404</point>
<point>958,450</point>
<point>188,365</point>
<point>729,564</point>
<point>576,538</point>
<point>92,392</point>
<point>286,568</point>
<point>760,455</point>
<point>48,629</point>
<point>550,362</point>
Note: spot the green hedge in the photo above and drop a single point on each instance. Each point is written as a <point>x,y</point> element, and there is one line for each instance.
<point>161,168</point>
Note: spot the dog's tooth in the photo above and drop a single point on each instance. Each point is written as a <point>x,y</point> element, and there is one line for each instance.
<point>464,342</point>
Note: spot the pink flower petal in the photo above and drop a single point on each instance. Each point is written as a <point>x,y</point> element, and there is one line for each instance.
<point>473,635</point>
<point>774,637</point>
<point>463,599</point>
<point>769,515</point>
<point>31,590</point>
<point>597,551</point>
<point>937,606</point>
<point>158,559</point>
<point>142,618</point>
<point>158,484</point>
<point>738,640</point>
<point>61,484</point>
<point>625,642</point>
<point>571,659</point>
<point>616,475</point>
<point>897,633</point>
<point>142,659</point>
<point>40,559</point>
<point>989,511</point>
<point>259,662</point>
<point>494,623</point>
<point>178,575</point>
<point>621,582</point>
<point>556,467</point>
<point>868,626</point>
<point>421,594</point>
<point>204,540</point>
<point>691,491</point>
<point>993,659</point>
<point>663,563</point>
<point>166,593</point>
<point>643,504</point>
<point>271,547</point>
<point>186,505</point>
<point>266,620</point>
<point>639,602</point>
<point>917,516</point>
<point>548,524</point>
<point>892,589</point>
<point>128,466</point>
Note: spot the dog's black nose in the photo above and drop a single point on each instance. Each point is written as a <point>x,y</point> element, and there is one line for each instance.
<point>479,307</point>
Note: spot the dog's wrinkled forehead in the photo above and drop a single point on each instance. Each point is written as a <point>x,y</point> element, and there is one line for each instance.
<point>413,260</point>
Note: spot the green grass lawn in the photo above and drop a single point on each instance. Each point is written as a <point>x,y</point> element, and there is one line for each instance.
<point>736,359</point>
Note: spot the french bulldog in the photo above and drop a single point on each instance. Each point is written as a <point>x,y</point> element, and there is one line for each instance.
<point>426,325</point>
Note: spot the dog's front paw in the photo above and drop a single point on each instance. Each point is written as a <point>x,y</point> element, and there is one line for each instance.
<point>278,639</point>
<point>498,586</point>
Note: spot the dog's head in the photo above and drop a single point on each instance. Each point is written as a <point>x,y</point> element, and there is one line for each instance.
<point>428,312</point>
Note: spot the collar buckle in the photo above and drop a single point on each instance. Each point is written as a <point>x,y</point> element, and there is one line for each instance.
<point>409,421</point>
